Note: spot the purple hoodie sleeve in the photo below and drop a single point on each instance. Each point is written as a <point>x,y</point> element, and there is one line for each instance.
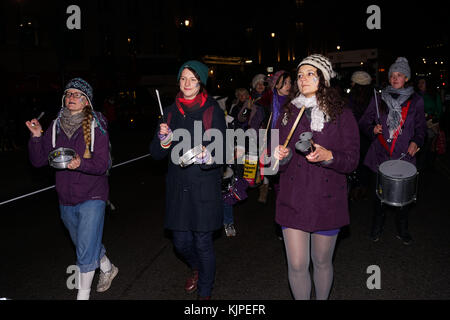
<point>39,148</point>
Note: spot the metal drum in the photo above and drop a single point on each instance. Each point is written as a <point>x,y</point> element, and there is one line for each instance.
<point>190,156</point>
<point>397,182</point>
<point>61,157</point>
<point>304,144</point>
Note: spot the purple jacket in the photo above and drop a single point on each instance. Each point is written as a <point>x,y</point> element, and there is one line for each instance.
<point>313,197</point>
<point>89,181</point>
<point>414,129</point>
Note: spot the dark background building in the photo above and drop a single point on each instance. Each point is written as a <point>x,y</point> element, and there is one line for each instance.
<point>129,48</point>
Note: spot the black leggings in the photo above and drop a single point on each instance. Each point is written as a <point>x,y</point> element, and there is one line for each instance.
<point>379,212</point>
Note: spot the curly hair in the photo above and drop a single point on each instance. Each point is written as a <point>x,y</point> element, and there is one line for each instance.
<point>328,98</point>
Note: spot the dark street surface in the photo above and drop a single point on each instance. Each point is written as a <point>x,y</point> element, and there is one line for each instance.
<point>36,250</point>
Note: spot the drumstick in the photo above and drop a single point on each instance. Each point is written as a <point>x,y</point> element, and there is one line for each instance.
<point>40,116</point>
<point>404,154</point>
<point>159,101</point>
<point>376,104</point>
<point>267,128</point>
<point>294,126</point>
<point>265,134</point>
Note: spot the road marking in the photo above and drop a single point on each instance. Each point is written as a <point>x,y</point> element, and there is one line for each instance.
<point>51,187</point>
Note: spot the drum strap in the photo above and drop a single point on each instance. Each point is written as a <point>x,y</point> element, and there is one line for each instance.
<point>397,132</point>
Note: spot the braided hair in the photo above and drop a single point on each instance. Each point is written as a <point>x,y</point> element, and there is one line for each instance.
<point>87,124</point>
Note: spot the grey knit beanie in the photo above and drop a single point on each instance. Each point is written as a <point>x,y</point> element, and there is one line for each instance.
<point>400,65</point>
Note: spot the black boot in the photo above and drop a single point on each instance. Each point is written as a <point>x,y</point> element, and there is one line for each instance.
<point>401,222</point>
<point>377,222</point>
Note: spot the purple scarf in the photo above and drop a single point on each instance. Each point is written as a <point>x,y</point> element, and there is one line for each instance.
<point>277,102</point>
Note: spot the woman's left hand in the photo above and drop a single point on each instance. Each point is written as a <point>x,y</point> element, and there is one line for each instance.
<point>204,156</point>
<point>320,154</point>
<point>412,149</point>
<point>74,163</point>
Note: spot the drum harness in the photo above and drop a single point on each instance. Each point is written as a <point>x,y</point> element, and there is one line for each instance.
<point>383,141</point>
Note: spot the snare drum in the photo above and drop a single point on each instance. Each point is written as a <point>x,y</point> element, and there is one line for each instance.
<point>397,182</point>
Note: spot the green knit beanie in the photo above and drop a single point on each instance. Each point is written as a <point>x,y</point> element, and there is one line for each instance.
<point>197,66</point>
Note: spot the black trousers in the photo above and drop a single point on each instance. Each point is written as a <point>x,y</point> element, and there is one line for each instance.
<point>379,213</point>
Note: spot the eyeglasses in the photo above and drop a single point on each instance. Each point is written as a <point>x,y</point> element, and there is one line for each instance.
<point>76,95</point>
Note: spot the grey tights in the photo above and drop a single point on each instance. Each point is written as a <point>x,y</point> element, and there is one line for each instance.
<point>300,248</point>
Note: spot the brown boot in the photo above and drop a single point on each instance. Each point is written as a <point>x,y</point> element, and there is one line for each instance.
<point>263,191</point>
<point>191,282</point>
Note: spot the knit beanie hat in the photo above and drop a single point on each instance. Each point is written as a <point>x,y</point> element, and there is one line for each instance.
<point>86,89</point>
<point>83,86</point>
<point>400,65</point>
<point>362,78</point>
<point>322,63</point>
<point>197,66</point>
<point>258,78</point>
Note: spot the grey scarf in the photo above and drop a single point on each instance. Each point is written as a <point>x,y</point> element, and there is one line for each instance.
<point>70,123</point>
<point>394,99</point>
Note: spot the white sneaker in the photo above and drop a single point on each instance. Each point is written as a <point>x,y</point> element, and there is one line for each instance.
<point>105,279</point>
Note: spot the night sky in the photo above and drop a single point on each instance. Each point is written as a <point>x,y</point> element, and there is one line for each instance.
<point>224,28</point>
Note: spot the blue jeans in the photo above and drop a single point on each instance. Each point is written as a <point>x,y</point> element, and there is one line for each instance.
<point>227,213</point>
<point>85,224</point>
<point>198,251</point>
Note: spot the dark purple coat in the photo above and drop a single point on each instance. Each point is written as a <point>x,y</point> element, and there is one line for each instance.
<point>89,181</point>
<point>414,129</point>
<point>313,197</point>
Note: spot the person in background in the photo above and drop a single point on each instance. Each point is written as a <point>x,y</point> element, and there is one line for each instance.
<point>83,187</point>
<point>259,86</point>
<point>275,97</point>
<point>242,96</point>
<point>360,95</point>
<point>433,111</point>
<point>399,131</point>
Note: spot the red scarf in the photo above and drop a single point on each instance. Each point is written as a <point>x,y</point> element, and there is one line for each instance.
<point>196,103</point>
<point>396,133</point>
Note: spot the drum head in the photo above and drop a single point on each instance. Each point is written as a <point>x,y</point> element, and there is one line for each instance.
<point>398,169</point>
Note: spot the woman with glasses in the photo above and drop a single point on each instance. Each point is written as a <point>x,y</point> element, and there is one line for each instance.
<point>83,187</point>
<point>312,202</point>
